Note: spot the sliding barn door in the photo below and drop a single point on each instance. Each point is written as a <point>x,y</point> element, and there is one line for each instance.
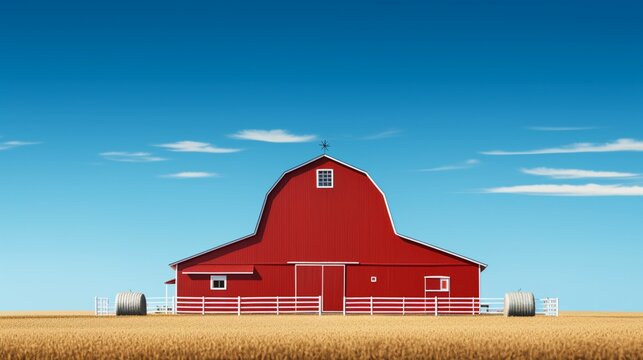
<point>333,291</point>
<point>326,281</point>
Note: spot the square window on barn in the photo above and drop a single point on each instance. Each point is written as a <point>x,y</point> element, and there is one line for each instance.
<point>218,282</point>
<point>325,178</point>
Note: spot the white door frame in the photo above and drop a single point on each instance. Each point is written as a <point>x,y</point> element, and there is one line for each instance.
<point>323,265</point>
<point>440,277</point>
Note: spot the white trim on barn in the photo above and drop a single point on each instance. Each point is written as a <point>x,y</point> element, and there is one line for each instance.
<point>325,262</point>
<point>440,278</point>
<point>322,265</point>
<point>216,273</point>
<point>263,207</point>
<point>331,178</point>
<point>479,271</point>
<point>219,278</point>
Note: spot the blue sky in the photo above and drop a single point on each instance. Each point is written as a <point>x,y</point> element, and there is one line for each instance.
<point>447,105</point>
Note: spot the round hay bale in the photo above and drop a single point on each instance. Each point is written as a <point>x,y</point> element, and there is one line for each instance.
<point>131,303</point>
<point>520,304</point>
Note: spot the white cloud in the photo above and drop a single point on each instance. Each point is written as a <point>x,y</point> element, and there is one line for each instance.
<point>561,128</point>
<point>191,175</point>
<point>382,135</point>
<point>273,136</point>
<point>462,166</point>
<point>576,173</point>
<point>130,156</point>
<point>14,144</point>
<point>570,190</point>
<point>618,145</point>
<point>195,146</point>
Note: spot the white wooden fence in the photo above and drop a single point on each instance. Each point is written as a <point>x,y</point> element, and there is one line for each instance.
<point>313,305</point>
<point>250,305</point>
<point>438,306</point>
<point>549,306</point>
<point>425,305</point>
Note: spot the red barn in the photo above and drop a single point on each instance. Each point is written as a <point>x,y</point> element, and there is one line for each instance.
<point>325,229</point>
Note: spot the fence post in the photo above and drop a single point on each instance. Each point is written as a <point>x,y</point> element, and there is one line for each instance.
<point>203,305</point>
<point>277,305</point>
<point>551,306</point>
<point>473,306</point>
<point>344,306</point>
<point>556,306</point>
<point>371,305</point>
<point>238,305</point>
<point>435,306</point>
<point>403,307</point>
<point>175,300</point>
<point>320,305</point>
<point>546,306</point>
<point>95,305</point>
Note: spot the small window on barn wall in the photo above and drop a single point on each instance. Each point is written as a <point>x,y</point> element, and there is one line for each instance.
<point>437,283</point>
<point>324,178</point>
<point>444,284</point>
<point>218,282</point>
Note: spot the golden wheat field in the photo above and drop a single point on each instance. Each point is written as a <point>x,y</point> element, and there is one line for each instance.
<point>570,336</point>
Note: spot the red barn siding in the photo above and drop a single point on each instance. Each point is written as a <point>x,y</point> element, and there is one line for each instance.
<point>333,288</point>
<point>408,281</point>
<point>347,223</point>
<point>268,280</point>
<point>308,280</point>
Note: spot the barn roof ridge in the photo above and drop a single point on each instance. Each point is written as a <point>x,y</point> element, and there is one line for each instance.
<point>482,265</point>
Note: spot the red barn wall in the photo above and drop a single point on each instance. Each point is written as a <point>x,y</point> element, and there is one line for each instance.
<point>279,280</point>
<point>267,280</point>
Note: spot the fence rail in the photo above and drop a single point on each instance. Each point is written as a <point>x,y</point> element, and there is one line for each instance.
<point>438,306</point>
<point>430,305</point>
<point>250,305</point>
<point>313,305</point>
<point>160,305</point>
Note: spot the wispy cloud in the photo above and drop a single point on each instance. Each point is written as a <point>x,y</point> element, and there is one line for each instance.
<point>576,173</point>
<point>561,128</point>
<point>190,175</point>
<point>382,135</point>
<point>618,145</point>
<point>137,157</point>
<point>14,144</point>
<point>195,146</point>
<point>273,136</point>
<point>570,190</point>
<point>461,166</point>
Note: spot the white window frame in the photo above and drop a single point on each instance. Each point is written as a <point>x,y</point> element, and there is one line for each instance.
<point>332,179</point>
<point>218,278</point>
<point>440,280</point>
<point>373,279</point>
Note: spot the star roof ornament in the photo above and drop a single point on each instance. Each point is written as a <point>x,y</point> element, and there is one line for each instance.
<point>324,145</point>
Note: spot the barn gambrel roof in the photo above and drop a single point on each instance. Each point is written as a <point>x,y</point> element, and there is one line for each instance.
<point>482,265</point>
